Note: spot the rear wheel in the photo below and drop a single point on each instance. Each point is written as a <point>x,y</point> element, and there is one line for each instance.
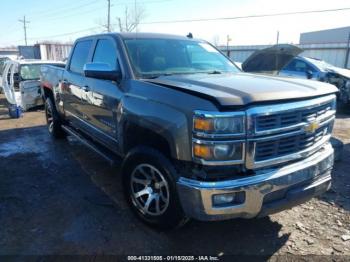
<point>150,189</point>
<point>53,120</point>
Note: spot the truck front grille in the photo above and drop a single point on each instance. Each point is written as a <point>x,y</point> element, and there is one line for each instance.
<point>288,145</point>
<point>286,119</point>
<point>286,132</point>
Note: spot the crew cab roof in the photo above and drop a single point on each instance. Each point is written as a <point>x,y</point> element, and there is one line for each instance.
<point>130,35</point>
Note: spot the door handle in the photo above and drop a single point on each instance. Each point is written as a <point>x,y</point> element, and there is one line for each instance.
<point>86,88</point>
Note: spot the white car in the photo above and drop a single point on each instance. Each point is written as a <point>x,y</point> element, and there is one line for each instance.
<point>22,84</point>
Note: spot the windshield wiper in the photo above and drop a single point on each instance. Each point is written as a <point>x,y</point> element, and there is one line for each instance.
<point>215,72</point>
<point>157,75</point>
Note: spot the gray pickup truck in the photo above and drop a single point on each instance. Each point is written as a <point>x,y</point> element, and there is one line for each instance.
<point>196,137</point>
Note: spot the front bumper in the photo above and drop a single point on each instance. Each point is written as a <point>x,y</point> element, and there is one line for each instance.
<point>265,193</point>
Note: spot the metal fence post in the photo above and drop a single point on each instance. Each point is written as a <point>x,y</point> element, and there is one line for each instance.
<point>347,53</point>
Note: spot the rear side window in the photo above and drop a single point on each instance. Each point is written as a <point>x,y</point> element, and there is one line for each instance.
<point>80,56</point>
<point>105,52</point>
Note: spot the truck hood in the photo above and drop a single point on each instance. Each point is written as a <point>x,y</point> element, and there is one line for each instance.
<point>272,59</point>
<point>241,89</point>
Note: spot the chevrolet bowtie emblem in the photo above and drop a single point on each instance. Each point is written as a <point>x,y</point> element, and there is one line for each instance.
<point>312,127</point>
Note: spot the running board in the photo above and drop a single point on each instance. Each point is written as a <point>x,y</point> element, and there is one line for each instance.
<point>102,151</point>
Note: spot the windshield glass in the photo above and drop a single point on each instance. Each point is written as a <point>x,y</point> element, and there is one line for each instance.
<point>320,63</point>
<point>30,72</point>
<point>153,57</point>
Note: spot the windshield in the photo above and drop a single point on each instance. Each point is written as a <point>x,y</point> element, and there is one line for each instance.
<point>154,57</point>
<point>320,64</point>
<point>30,72</point>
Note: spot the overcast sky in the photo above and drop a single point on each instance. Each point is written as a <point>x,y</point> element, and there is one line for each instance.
<point>57,20</point>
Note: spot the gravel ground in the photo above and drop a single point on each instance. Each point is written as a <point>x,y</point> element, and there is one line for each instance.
<point>57,197</point>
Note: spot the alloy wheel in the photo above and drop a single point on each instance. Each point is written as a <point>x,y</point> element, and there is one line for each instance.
<point>149,190</point>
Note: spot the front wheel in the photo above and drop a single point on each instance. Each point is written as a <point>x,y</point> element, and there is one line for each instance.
<point>150,189</point>
<point>53,120</point>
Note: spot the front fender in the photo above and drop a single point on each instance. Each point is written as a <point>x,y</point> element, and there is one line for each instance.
<point>164,120</point>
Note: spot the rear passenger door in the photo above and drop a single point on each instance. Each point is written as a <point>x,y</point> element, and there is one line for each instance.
<point>73,85</point>
<point>102,106</point>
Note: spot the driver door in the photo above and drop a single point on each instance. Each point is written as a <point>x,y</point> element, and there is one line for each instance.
<point>100,103</point>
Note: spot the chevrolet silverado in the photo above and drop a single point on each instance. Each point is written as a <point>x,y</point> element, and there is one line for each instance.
<point>196,137</point>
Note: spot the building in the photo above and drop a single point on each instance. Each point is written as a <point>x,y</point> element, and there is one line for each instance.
<point>46,51</point>
<point>332,46</point>
<point>335,35</point>
<point>11,52</point>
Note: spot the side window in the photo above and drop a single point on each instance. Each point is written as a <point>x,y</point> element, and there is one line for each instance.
<point>80,56</point>
<point>105,52</point>
<point>311,68</point>
<point>296,66</point>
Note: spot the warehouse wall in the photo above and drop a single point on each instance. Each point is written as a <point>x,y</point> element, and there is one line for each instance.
<point>334,35</point>
<point>57,52</point>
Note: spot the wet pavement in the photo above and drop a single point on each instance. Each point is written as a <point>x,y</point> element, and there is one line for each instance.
<point>58,197</point>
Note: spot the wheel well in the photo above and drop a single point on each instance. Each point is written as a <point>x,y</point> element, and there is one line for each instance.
<point>48,94</point>
<point>137,136</point>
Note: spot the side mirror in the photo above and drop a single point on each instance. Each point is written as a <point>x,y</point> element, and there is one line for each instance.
<point>101,71</point>
<point>309,74</point>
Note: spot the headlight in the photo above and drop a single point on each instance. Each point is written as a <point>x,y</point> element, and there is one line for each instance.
<point>219,124</point>
<point>218,151</point>
<point>209,131</point>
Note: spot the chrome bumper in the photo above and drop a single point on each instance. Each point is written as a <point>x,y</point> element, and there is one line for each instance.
<point>265,193</point>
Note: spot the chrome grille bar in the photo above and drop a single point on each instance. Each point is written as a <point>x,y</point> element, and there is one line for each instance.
<point>279,133</point>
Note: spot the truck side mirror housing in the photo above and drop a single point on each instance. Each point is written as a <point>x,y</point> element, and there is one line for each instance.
<point>101,71</point>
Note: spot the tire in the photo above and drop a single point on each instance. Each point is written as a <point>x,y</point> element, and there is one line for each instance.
<point>53,120</point>
<point>144,191</point>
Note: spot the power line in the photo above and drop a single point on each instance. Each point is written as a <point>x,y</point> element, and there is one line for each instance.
<point>24,21</point>
<point>72,12</point>
<point>65,34</point>
<point>52,10</point>
<point>202,19</point>
<point>244,17</point>
<point>78,11</point>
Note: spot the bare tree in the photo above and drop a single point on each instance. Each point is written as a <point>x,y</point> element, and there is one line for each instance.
<point>104,27</point>
<point>131,19</point>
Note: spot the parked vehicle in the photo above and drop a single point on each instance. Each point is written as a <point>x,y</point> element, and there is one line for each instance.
<point>2,67</point>
<point>196,137</point>
<point>22,85</point>
<point>284,60</point>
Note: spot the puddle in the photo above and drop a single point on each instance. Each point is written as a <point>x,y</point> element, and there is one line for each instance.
<point>21,146</point>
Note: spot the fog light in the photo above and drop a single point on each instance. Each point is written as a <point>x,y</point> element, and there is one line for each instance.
<point>229,199</point>
<point>222,199</point>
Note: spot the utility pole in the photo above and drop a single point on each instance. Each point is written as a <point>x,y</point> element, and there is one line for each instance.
<point>24,21</point>
<point>228,40</point>
<point>278,37</point>
<point>109,16</point>
<point>136,17</point>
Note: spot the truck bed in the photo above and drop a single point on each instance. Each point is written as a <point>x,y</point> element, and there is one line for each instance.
<point>51,75</point>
